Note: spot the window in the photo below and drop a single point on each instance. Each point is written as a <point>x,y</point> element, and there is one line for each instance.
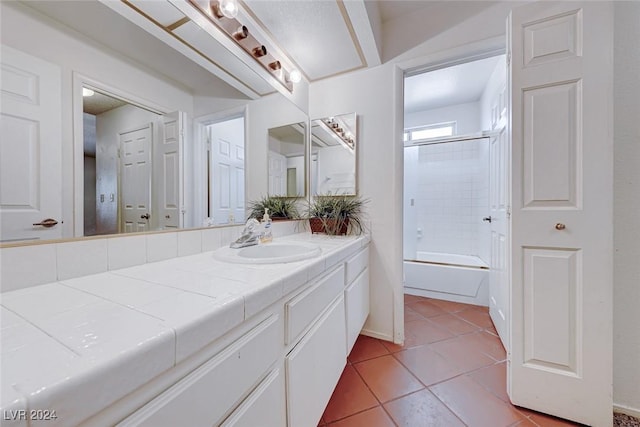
<point>432,131</point>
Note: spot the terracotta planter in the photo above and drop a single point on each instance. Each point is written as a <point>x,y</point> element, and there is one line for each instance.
<point>318,226</point>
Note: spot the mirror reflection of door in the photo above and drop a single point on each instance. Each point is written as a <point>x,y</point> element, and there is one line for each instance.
<point>226,176</point>
<point>286,160</point>
<point>132,166</point>
<point>117,136</point>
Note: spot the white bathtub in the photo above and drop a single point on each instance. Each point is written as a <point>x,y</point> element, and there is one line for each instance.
<point>452,277</point>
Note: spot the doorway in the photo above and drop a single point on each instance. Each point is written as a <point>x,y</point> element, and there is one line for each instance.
<point>453,117</point>
<point>226,171</point>
<point>111,129</point>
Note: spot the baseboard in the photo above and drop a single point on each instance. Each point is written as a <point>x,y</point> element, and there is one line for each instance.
<point>634,412</point>
<point>374,334</point>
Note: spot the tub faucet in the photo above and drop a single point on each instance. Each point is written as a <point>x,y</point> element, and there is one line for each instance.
<point>250,235</point>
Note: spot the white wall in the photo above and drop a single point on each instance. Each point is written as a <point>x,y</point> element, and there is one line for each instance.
<point>626,288</point>
<point>31,32</point>
<point>466,116</point>
<point>379,179</point>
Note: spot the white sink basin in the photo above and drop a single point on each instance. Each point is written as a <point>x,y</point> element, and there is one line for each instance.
<point>269,253</point>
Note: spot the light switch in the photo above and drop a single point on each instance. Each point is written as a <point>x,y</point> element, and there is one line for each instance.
<point>102,198</point>
<point>112,197</point>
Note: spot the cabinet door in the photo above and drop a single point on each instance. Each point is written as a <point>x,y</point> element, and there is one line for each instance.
<point>208,394</point>
<point>314,367</point>
<point>264,407</point>
<point>356,298</point>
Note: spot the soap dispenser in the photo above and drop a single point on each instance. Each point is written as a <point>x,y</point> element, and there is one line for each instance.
<point>266,236</point>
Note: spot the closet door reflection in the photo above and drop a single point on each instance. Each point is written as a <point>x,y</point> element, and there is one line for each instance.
<point>286,160</point>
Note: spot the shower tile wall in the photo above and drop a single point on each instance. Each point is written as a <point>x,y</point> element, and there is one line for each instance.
<point>452,197</point>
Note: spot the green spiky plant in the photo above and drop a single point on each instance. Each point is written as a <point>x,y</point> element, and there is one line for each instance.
<point>337,214</point>
<point>279,208</point>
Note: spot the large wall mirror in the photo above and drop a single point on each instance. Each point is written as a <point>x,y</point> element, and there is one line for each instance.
<point>334,148</point>
<point>132,156</point>
<point>287,160</point>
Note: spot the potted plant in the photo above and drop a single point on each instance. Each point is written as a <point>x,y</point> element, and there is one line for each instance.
<point>336,214</point>
<point>279,208</point>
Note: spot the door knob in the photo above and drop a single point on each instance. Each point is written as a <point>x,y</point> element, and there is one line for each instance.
<point>487,219</point>
<point>560,226</point>
<point>145,216</point>
<point>47,223</point>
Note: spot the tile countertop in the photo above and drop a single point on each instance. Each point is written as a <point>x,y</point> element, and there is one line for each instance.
<point>76,346</point>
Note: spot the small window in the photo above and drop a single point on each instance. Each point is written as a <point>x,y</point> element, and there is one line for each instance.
<point>439,130</point>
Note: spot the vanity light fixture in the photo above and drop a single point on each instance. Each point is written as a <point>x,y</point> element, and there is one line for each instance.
<point>295,76</point>
<point>241,33</point>
<point>344,137</point>
<point>259,51</point>
<point>87,92</point>
<point>222,13</point>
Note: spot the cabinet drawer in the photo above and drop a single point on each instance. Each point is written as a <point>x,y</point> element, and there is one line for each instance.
<point>356,264</point>
<point>356,300</point>
<point>307,305</point>
<point>210,392</point>
<point>314,367</point>
<point>264,407</point>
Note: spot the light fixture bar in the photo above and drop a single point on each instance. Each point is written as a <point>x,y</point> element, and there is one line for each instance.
<point>340,132</point>
<point>242,36</point>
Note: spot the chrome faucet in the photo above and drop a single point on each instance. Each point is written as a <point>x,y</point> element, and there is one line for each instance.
<point>250,235</point>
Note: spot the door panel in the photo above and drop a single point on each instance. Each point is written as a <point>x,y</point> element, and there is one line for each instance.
<point>135,161</point>
<point>499,210</point>
<point>561,119</point>
<point>227,175</point>
<point>169,177</point>
<point>30,147</point>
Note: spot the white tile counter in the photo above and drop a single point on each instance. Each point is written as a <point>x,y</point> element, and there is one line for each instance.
<point>78,345</point>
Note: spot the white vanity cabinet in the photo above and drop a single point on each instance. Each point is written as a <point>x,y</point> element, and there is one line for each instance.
<point>356,295</point>
<point>314,367</point>
<point>277,369</point>
<point>205,396</point>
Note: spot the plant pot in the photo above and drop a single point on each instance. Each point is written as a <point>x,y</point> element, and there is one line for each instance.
<point>328,226</point>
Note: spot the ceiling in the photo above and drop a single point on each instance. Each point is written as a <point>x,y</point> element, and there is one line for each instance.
<point>323,38</point>
<point>459,84</point>
<point>99,103</point>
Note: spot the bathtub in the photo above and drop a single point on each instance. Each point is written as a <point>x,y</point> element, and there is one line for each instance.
<point>452,277</point>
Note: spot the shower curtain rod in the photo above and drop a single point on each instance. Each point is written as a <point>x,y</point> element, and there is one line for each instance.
<point>447,140</point>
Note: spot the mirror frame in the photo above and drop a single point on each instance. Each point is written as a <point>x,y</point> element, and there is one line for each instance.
<point>354,132</point>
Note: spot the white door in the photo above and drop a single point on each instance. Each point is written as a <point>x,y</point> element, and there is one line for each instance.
<point>562,151</point>
<point>499,223</point>
<point>135,184</point>
<point>277,174</point>
<point>227,175</point>
<point>168,175</point>
<point>30,148</point>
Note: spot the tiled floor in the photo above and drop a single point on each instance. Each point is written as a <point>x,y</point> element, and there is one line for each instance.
<point>450,372</point>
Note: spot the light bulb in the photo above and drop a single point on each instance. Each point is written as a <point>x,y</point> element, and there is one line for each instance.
<point>295,76</point>
<point>229,8</point>
<point>87,92</point>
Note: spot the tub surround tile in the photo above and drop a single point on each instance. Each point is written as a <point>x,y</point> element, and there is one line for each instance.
<point>17,266</point>
<point>126,251</point>
<point>81,258</point>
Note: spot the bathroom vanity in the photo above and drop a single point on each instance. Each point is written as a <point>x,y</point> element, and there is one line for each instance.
<point>188,341</point>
